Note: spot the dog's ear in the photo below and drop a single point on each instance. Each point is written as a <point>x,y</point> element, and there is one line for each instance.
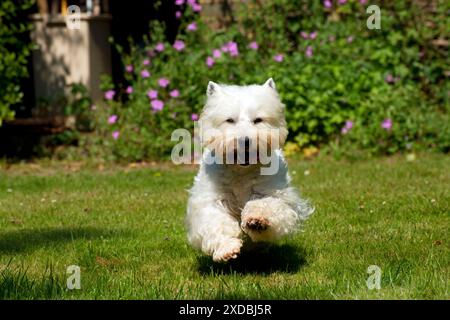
<point>270,84</point>
<point>212,88</point>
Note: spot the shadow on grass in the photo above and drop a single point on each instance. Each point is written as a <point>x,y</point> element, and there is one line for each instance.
<point>24,240</point>
<point>260,259</point>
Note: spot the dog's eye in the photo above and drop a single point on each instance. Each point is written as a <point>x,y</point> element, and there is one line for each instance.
<point>229,120</point>
<point>257,120</point>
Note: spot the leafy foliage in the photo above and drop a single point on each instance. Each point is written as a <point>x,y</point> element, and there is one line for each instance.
<point>344,85</point>
<point>13,54</point>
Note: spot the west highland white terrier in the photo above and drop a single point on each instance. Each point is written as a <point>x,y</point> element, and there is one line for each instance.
<point>234,201</point>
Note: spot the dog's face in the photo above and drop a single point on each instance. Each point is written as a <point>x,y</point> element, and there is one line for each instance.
<point>241,123</point>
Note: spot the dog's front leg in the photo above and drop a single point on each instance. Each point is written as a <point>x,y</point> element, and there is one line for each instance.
<point>213,230</point>
<point>270,218</point>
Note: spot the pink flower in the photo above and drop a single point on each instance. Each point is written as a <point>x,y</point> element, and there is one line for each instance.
<point>159,47</point>
<point>196,7</point>
<point>174,93</point>
<point>348,125</point>
<point>342,1</point>
<point>194,117</point>
<point>234,52</point>
<point>327,4</point>
<point>230,47</point>
<point>109,95</point>
<point>389,78</point>
<point>350,39</point>
<point>192,27</point>
<point>157,105</point>
<point>253,45</point>
<point>309,52</point>
<point>179,2</point>
<point>179,45</point>
<point>278,58</point>
<point>363,1</point>
<point>387,124</point>
<point>115,135</point>
<point>313,35</point>
<point>145,73</point>
<point>210,62</point>
<point>178,14</point>
<point>112,119</point>
<point>129,89</point>
<point>152,94</point>
<point>216,53</point>
<point>233,48</point>
<point>304,35</point>
<point>129,68</point>
<point>93,107</point>
<point>163,82</point>
<point>146,62</point>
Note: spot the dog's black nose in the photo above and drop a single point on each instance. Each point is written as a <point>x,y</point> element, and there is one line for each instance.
<point>244,142</point>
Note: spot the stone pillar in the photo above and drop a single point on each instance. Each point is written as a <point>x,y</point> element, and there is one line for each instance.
<point>218,13</point>
<point>65,56</point>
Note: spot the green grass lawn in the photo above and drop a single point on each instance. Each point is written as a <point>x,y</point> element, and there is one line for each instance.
<point>124,228</point>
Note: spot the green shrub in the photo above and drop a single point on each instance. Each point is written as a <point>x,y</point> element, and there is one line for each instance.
<point>13,54</point>
<point>329,68</point>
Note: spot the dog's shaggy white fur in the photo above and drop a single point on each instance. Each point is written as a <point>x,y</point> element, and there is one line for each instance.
<point>232,204</point>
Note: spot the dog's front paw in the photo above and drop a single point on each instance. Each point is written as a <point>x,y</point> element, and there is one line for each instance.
<point>257,220</point>
<point>228,250</point>
<point>257,227</point>
<point>256,224</point>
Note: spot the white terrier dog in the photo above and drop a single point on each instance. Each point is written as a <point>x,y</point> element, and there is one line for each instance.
<point>235,202</point>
